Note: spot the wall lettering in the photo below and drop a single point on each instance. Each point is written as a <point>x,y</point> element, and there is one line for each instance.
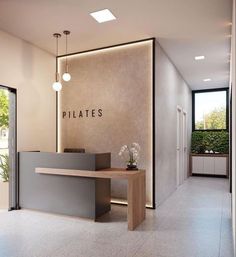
<point>93,113</point>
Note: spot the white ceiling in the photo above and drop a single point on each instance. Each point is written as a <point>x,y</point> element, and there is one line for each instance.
<point>184,28</point>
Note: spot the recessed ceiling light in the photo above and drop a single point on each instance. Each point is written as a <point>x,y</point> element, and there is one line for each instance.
<point>200,57</point>
<point>206,80</point>
<point>103,16</point>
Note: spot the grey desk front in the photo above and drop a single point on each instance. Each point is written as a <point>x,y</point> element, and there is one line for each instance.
<point>136,187</point>
<point>76,196</point>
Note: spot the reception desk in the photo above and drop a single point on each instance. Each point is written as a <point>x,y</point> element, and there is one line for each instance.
<point>77,184</point>
<point>76,196</point>
<point>136,187</point>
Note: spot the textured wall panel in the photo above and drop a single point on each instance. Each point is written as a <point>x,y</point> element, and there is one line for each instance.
<point>115,86</point>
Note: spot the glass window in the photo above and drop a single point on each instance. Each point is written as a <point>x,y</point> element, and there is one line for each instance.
<point>210,110</point>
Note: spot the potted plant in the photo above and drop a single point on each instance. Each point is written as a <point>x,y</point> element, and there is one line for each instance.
<point>131,155</point>
<point>4,183</point>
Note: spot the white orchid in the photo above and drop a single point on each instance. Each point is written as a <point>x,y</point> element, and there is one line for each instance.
<point>123,149</point>
<point>136,146</point>
<point>130,154</point>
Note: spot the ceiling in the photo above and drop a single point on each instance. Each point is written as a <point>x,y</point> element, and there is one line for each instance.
<point>184,28</point>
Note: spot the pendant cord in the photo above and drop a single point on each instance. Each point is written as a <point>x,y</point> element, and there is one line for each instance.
<point>57,36</point>
<point>66,33</point>
<point>66,55</point>
<point>56,46</point>
<point>56,58</point>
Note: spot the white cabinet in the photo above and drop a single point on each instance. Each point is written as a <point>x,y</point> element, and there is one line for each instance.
<point>197,165</point>
<point>209,164</point>
<point>220,165</point>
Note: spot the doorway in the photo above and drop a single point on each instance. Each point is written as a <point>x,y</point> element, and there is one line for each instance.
<point>185,146</point>
<point>179,147</point>
<point>8,169</point>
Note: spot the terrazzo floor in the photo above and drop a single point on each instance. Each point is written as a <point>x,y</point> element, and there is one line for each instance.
<point>195,221</point>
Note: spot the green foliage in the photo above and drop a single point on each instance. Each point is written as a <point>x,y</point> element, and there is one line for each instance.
<point>216,119</point>
<point>4,109</point>
<point>216,141</point>
<point>4,167</point>
<point>197,145</point>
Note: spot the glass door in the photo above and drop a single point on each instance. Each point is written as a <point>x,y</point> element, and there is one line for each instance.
<point>8,169</point>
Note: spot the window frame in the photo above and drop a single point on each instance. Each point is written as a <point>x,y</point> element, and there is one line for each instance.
<point>194,92</point>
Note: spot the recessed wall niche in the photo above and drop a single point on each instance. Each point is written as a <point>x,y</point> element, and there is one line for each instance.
<point>108,103</point>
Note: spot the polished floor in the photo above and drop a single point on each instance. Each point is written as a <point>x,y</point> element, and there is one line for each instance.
<point>194,222</point>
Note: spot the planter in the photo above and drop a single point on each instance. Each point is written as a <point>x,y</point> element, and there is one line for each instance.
<point>4,195</point>
<point>209,164</point>
<point>131,167</point>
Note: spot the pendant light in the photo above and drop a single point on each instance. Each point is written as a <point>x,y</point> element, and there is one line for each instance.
<point>57,84</point>
<point>66,76</point>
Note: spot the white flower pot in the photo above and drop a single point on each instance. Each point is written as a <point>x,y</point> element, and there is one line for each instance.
<point>4,195</point>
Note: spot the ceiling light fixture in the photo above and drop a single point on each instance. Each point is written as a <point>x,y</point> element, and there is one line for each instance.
<point>66,76</point>
<point>103,16</point>
<point>200,57</point>
<point>57,84</point>
<point>207,80</point>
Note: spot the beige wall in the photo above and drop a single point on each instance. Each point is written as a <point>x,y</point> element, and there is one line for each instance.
<point>118,81</point>
<point>31,71</point>
<point>100,83</point>
<point>171,91</point>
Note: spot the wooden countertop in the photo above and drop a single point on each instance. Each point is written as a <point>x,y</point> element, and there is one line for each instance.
<point>116,173</point>
<point>210,154</point>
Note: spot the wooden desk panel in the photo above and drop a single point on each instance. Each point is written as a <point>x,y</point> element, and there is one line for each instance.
<point>136,187</point>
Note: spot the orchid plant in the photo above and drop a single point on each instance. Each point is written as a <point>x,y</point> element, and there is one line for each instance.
<point>130,153</point>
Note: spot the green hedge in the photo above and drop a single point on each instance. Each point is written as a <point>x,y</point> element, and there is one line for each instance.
<point>216,141</point>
